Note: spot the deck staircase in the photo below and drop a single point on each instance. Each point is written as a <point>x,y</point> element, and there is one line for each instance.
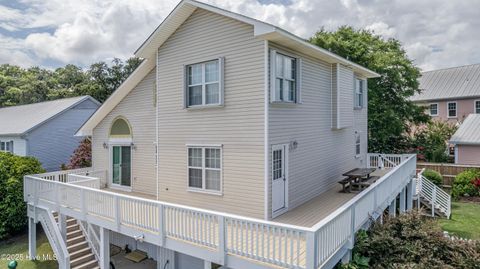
<point>81,253</point>
<point>432,197</point>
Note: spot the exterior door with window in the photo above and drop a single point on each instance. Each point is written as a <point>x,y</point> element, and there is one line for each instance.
<point>121,166</point>
<point>279,178</point>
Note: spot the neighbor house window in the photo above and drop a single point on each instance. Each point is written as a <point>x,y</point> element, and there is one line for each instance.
<point>359,93</point>
<point>6,146</point>
<point>357,144</point>
<point>477,106</point>
<point>433,109</point>
<point>204,83</point>
<point>284,74</point>
<point>205,168</point>
<point>452,109</point>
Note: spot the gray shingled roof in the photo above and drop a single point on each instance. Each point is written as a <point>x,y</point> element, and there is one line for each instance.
<point>469,132</point>
<point>455,82</point>
<point>16,120</point>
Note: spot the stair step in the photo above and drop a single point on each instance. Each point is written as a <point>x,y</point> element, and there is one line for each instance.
<point>83,260</point>
<point>74,234</point>
<point>77,246</point>
<point>79,253</point>
<point>75,240</point>
<point>87,265</point>
<point>73,228</point>
<point>71,222</point>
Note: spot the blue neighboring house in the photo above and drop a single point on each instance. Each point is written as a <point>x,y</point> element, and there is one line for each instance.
<point>45,130</point>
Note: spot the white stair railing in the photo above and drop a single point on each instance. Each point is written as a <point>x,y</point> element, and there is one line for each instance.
<point>438,198</point>
<point>54,236</point>
<point>92,238</point>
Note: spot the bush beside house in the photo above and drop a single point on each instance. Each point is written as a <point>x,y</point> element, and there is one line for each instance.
<point>13,209</point>
<point>433,176</point>
<point>467,184</point>
<point>412,241</point>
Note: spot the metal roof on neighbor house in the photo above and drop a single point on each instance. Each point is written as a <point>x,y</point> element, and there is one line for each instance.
<point>17,120</point>
<point>451,83</point>
<point>469,132</point>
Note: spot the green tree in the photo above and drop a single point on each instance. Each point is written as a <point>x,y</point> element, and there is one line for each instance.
<point>13,209</point>
<point>390,111</point>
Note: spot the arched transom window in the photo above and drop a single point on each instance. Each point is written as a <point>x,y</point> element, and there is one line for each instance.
<point>120,129</point>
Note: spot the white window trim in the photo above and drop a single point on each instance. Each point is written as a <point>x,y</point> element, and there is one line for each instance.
<point>475,106</point>
<point>364,82</point>
<point>221,85</point>
<point>357,134</point>
<point>448,110</point>
<point>273,74</point>
<point>203,189</point>
<point>430,110</point>
<point>5,146</point>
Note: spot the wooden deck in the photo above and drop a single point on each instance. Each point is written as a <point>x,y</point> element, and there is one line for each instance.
<point>318,208</point>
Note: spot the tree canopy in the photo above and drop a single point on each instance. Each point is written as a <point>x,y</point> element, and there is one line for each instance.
<point>20,86</point>
<point>390,112</point>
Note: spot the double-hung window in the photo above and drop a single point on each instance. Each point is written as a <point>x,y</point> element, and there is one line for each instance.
<point>205,168</point>
<point>477,106</point>
<point>284,78</point>
<point>204,83</point>
<point>452,109</point>
<point>357,144</point>
<point>359,93</point>
<point>6,146</point>
<point>433,109</point>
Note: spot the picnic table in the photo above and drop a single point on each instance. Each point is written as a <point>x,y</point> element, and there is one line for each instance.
<point>356,177</point>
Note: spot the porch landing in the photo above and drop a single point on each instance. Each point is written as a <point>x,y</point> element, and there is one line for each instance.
<point>316,209</point>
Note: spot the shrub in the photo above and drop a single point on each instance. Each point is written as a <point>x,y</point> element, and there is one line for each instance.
<point>13,209</point>
<point>465,183</point>
<point>413,241</point>
<point>433,176</point>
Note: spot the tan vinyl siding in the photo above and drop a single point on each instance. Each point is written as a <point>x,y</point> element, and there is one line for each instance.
<point>346,92</point>
<point>322,154</point>
<point>137,108</point>
<point>238,126</point>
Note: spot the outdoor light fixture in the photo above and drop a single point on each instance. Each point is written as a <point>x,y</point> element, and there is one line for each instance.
<point>105,145</point>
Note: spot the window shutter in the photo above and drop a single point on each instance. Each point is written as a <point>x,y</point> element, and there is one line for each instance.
<point>11,146</point>
<point>273,56</point>
<point>185,90</point>
<point>299,80</point>
<point>221,69</point>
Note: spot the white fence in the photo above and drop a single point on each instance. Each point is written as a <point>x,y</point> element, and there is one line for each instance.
<point>218,235</point>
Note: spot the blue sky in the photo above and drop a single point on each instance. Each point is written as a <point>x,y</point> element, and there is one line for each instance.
<point>52,33</point>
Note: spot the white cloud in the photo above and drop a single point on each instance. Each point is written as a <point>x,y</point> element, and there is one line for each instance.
<point>435,34</point>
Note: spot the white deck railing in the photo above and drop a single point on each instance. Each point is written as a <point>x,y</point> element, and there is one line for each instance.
<point>221,237</point>
<point>436,196</point>
<point>382,161</point>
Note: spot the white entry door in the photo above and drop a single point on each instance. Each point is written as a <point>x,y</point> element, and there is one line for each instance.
<point>279,177</point>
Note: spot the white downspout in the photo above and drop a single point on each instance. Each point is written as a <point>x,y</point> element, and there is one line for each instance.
<point>266,121</point>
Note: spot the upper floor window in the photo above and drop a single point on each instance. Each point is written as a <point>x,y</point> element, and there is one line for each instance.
<point>452,109</point>
<point>433,109</point>
<point>204,83</point>
<point>120,129</point>
<point>205,168</point>
<point>477,106</point>
<point>359,93</point>
<point>6,146</point>
<point>284,78</point>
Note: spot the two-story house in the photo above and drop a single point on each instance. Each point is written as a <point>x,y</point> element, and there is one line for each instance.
<point>224,147</point>
<point>450,94</point>
<point>45,130</point>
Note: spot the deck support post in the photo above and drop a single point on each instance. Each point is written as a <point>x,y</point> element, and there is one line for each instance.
<point>32,238</point>
<point>410,190</point>
<point>402,200</point>
<point>207,265</point>
<point>62,221</point>
<point>104,248</point>
<point>392,208</point>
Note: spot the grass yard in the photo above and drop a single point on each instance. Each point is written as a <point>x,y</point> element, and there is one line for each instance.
<point>465,220</point>
<point>18,246</point>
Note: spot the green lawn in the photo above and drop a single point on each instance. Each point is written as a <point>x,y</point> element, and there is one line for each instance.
<point>19,245</point>
<point>465,220</point>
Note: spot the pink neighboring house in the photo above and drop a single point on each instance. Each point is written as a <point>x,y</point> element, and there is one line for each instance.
<point>451,94</point>
<point>467,141</point>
